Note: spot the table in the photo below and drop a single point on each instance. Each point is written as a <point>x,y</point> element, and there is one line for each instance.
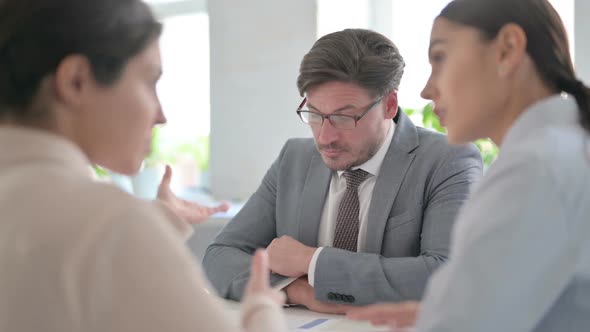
<point>300,319</point>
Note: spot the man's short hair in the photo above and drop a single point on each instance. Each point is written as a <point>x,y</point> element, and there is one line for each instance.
<point>359,56</point>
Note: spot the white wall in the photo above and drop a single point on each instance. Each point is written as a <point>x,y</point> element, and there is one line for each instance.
<point>256,49</point>
<point>165,8</point>
<point>582,36</point>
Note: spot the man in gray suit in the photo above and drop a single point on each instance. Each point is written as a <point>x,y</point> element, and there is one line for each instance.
<point>361,213</point>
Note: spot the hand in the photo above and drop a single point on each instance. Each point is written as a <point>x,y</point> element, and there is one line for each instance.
<point>394,315</point>
<point>289,257</point>
<point>259,282</point>
<point>301,292</point>
<point>190,212</point>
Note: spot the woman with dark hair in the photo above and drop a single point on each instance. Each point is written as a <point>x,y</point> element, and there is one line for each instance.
<point>77,87</point>
<point>520,257</point>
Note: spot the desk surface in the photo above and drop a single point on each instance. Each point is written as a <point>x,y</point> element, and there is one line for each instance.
<point>300,319</point>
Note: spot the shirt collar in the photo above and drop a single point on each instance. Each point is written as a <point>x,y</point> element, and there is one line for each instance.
<point>556,110</point>
<point>373,165</point>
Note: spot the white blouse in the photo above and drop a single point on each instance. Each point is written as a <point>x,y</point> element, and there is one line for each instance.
<point>520,255</point>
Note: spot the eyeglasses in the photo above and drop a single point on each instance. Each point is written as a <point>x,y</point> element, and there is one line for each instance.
<point>338,121</point>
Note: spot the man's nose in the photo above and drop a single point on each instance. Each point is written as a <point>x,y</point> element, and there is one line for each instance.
<point>327,133</point>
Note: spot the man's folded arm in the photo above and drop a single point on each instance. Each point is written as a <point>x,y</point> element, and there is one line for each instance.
<point>227,259</point>
<point>363,278</point>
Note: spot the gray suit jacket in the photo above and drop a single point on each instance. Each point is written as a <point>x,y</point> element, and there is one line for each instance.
<point>421,185</point>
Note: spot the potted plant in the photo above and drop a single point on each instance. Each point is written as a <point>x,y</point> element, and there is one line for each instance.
<point>145,182</point>
<point>429,120</point>
<point>192,162</point>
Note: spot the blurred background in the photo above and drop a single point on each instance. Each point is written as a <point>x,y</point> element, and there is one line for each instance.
<point>229,91</point>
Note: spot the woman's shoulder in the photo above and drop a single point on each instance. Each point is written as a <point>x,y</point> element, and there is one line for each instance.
<point>556,157</point>
<point>557,147</point>
<point>119,208</point>
<point>564,149</point>
<point>84,208</point>
<point>99,199</point>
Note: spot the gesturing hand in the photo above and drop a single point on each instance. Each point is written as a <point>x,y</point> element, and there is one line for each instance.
<point>259,282</point>
<point>191,212</point>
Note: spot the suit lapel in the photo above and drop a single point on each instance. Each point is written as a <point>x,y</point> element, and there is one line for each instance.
<point>313,199</point>
<point>395,165</point>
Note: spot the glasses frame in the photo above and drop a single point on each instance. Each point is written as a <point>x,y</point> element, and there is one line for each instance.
<point>356,118</point>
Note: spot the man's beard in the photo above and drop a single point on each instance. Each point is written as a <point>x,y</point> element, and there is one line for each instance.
<point>365,155</point>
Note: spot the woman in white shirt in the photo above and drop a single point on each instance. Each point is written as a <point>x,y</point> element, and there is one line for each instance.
<point>77,86</point>
<point>520,255</point>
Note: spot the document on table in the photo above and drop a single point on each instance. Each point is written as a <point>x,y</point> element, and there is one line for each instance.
<point>284,283</point>
<point>333,324</point>
<point>299,319</point>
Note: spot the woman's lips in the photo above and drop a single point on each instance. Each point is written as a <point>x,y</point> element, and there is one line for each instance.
<point>441,113</point>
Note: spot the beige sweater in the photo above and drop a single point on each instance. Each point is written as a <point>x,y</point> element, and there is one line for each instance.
<point>77,255</point>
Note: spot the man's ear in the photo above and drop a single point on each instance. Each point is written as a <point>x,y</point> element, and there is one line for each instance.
<point>73,79</point>
<point>391,104</point>
<point>511,43</point>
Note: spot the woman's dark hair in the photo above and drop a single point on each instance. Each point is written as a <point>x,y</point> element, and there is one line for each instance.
<point>547,42</point>
<point>36,35</point>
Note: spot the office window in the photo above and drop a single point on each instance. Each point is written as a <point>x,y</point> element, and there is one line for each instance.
<point>183,89</point>
<point>185,97</point>
<point>411,22</point>
<point>565,8</point>
<point>184,92</point>
<point>408,24</point>
<point>336,15</point>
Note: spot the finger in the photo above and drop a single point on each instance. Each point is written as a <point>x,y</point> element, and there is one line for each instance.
<point>371,312</point>
<point>381,322</point>
<point>216,209</point>
<point>166,178</point>
<point>223,207</point>
<point>271,245</point>
<point>259,273</point>
<point>401,315</point>
<point>205,210</point>
<point>278,297</point>
<point>328,308</point>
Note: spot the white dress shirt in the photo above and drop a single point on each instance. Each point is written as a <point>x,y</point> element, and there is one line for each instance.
<point>520,252</point>
<point>337,190</point>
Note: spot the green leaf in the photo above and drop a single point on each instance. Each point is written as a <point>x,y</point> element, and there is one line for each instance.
<point>488,150</point>
<point>100,172</point>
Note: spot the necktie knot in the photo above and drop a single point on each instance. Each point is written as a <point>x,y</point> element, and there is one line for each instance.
<point>355,177</point>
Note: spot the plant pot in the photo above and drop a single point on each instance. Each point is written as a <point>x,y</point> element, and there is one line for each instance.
<point>122,181</point>
<point>146,182</point>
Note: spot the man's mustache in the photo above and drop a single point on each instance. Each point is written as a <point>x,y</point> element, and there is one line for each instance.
<point>332,146</point>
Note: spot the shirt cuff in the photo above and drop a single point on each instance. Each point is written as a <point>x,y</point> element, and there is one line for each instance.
<point>312,264</point>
